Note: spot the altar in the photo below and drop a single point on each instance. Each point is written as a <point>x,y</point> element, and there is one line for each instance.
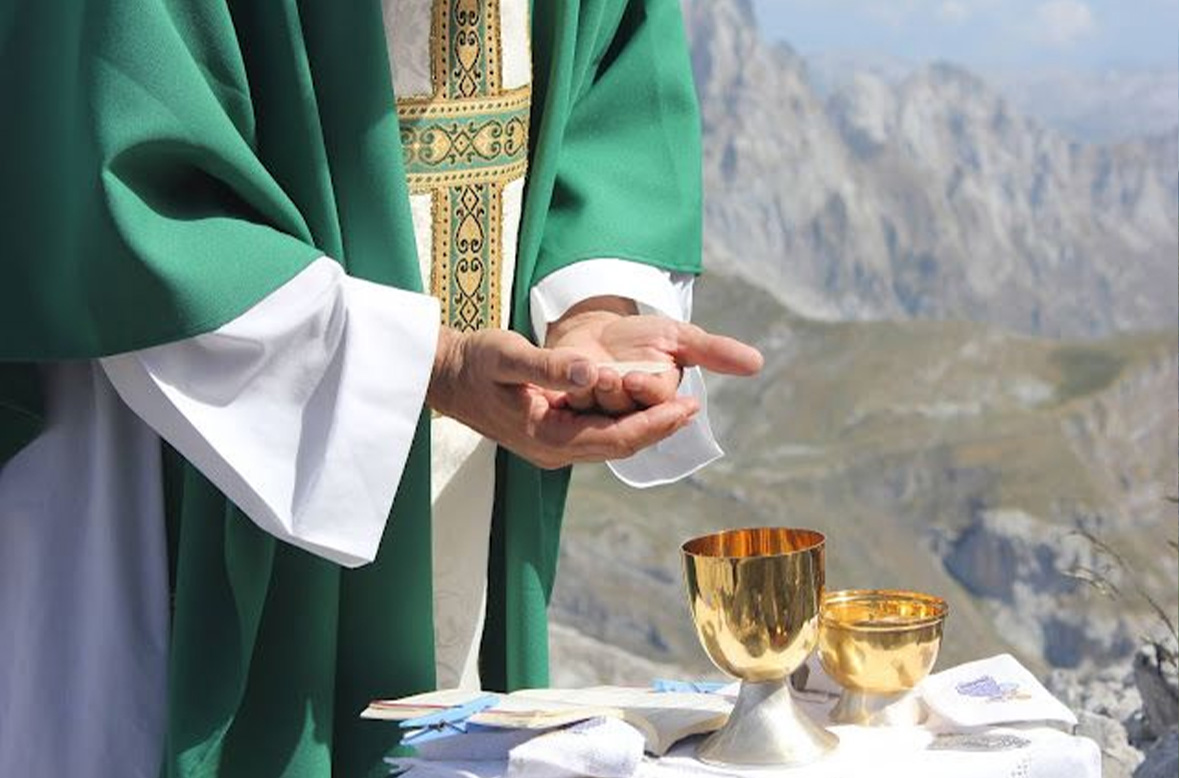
<point>831,684</point>
<point>985,719</point>
<point>885,752</point>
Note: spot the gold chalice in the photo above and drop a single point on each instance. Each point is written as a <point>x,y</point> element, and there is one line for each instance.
<point>878,644</point>
<point>755,597</point>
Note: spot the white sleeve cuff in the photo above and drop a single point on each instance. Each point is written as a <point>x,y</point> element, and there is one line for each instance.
<point>302,410</point>
<point>656,291</point>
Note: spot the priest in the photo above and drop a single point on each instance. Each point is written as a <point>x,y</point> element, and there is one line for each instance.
<point>309,307</point>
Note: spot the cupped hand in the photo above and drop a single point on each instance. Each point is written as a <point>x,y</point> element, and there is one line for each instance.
<point>608,329</point>
<point>502,386</point>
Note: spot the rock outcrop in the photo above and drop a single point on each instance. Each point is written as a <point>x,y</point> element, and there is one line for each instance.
<point>929,198</point>
<point>951,448</point>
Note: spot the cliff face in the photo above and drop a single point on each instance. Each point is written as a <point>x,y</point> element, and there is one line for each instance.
<point>932,197</point>
<point>1022,478</point>
<point>947,295</point>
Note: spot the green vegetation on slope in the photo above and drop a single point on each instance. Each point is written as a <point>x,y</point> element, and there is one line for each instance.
<point>895,439</point>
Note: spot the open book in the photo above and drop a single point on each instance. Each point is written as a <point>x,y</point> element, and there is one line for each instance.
<point>664,718</point>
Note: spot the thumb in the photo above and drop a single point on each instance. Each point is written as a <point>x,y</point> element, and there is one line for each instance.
<point>520,362</point>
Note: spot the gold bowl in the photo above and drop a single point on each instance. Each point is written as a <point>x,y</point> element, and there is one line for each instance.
<point>878,644</point>
<point>755,597</point>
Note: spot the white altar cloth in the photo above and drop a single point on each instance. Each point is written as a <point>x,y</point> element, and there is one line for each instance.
<point>863,752</point>
<point>915,752</point>
<point>985,719</point>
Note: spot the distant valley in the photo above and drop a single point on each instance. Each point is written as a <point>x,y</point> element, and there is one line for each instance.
<point>972,376</point>
<point>947,457</point>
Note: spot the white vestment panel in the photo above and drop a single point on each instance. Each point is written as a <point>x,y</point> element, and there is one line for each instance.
<point>83,589</point>
<point>466,213</point>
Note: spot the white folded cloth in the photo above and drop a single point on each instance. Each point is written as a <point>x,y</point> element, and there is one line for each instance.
<point>598,748</point>
<point>422,768</point>
<point>481,745</point>
<point>997,690</point>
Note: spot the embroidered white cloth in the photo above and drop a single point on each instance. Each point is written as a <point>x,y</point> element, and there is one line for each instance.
<point>989,722</point>
<point>912,752</point>
<point>598,748</point>
<point>916,752</point>
<point>992,691</point>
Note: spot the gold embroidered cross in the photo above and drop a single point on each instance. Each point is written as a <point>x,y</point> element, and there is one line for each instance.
<point>462,145</point>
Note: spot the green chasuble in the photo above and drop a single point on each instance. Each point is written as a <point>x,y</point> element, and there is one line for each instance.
<point>171,162</point>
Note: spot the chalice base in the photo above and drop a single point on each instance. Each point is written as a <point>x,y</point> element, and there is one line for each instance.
<point>766,729</point>
<point>872,709</point>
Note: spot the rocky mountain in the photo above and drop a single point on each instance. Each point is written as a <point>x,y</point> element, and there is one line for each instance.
<point>929,198</point>
<point>969,322</point>
<point>1023,479</point>
<point>1106,106</point>
<point>1098,106</point>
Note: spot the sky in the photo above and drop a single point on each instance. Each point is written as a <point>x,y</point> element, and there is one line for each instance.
<point>985,34</point>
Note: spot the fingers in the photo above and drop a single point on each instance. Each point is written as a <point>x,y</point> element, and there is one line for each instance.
<point>582,400</point>
<point>616,394</point>
<point>717,353</point>
<point>647,390</point>
<point>554,398</point>
<point>513,360</point>
<point>609,394</point>
<point>567,437</point>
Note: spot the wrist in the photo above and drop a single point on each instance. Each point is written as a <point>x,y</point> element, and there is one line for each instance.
<point>448,361</point>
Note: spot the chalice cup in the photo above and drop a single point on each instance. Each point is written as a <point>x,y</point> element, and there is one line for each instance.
<point>755,597</point>
<point>878,644</point>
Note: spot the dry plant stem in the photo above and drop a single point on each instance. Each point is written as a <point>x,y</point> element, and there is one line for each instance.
<point>1100,581</point>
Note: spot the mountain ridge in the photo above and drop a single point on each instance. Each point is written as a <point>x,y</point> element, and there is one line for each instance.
<point>975,463</point>
<point>930,198</point>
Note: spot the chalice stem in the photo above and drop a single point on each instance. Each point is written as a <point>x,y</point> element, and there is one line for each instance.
<point>765,728</point>
<point>860,707</point>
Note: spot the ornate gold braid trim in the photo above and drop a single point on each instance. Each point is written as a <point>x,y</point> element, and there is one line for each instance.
<point>433,108</point>
<point>440,263</point>
<point>467,120</point>
<point>421,183</point>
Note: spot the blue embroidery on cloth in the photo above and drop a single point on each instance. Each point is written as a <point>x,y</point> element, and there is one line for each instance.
<point>987,688</point>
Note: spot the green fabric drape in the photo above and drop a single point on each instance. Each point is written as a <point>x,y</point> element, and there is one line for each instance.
<point>615,173</point>
<point>174,161</point>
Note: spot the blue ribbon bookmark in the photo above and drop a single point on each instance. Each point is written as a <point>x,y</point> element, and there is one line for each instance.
<point>450,721</point>
<point>701,687</point>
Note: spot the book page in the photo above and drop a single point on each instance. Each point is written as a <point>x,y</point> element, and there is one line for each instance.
<point>510,712</point>
<point>419,704</point>
<point>664,718</point>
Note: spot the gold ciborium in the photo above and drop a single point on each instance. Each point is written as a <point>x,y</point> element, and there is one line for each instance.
<point>755,597</point>
<point>878,644</point>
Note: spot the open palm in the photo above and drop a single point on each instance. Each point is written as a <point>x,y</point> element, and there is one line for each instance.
<point>607,336</point>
